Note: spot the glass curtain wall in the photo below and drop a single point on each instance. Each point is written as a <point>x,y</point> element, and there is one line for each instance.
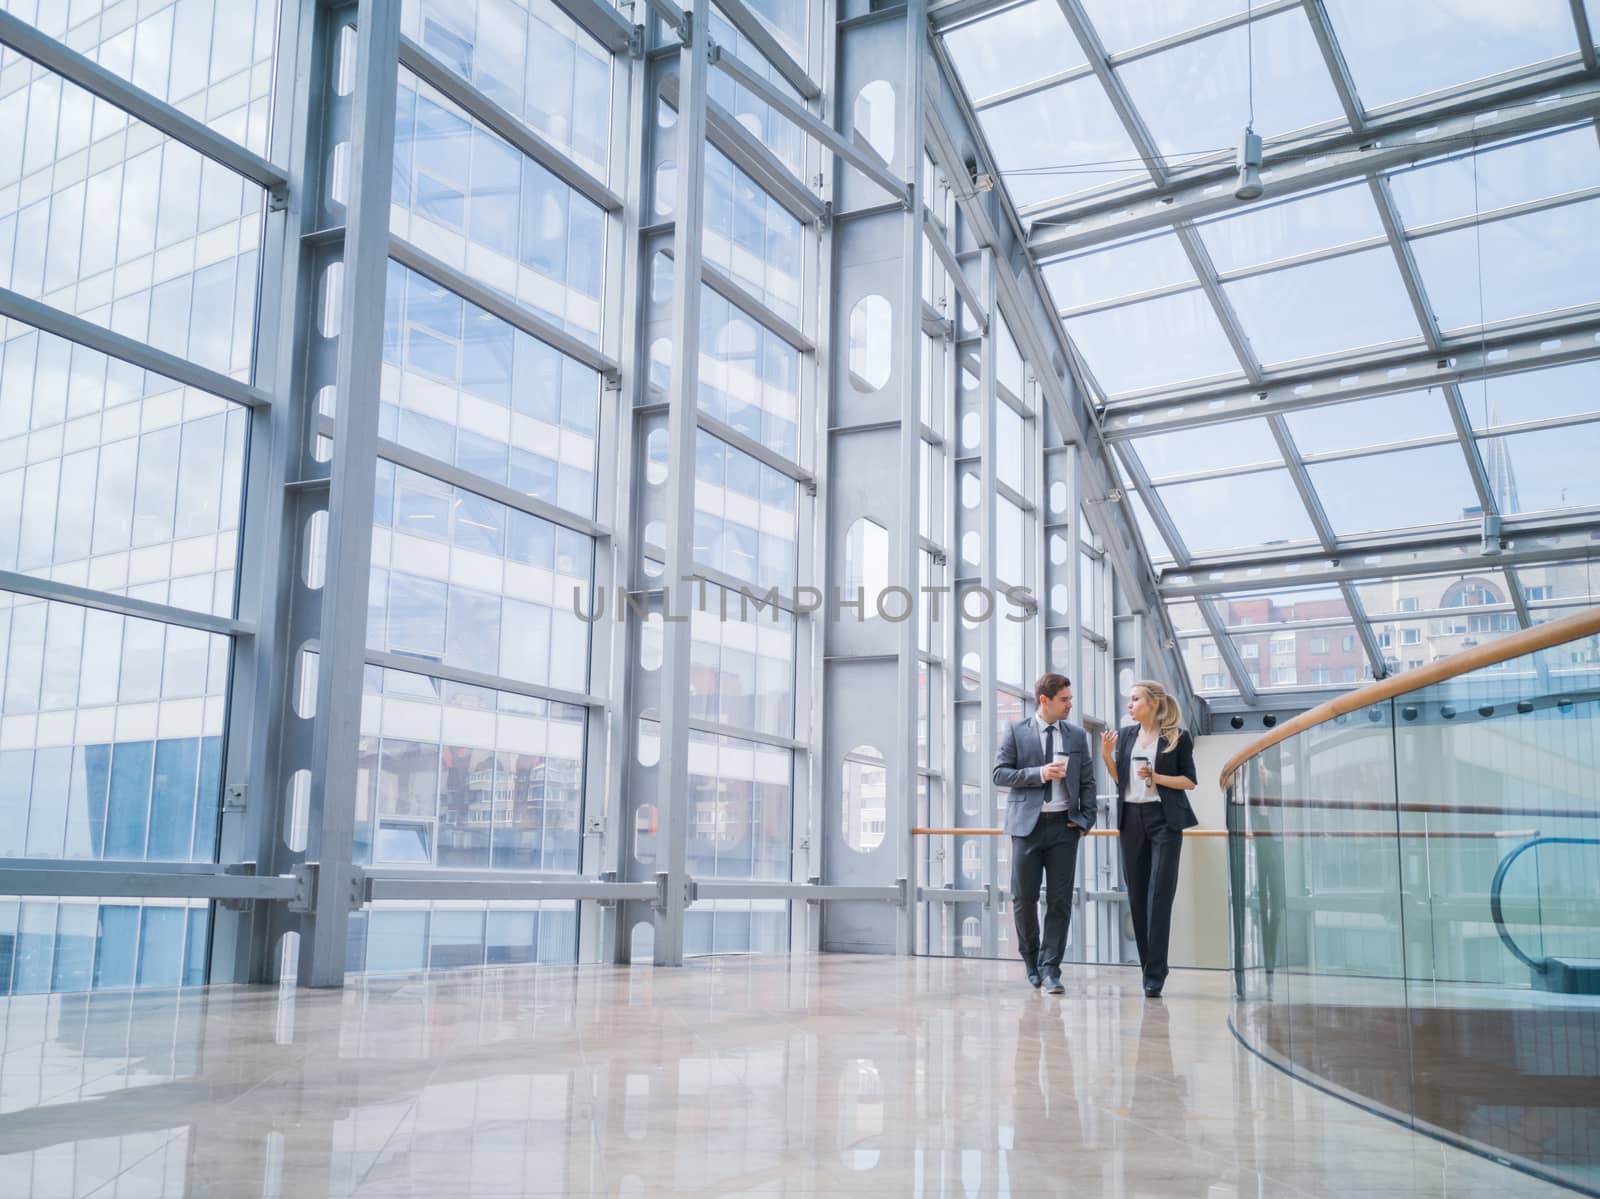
<point>121,486</point>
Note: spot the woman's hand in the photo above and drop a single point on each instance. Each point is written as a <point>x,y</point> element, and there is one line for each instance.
<point>1108,744</point>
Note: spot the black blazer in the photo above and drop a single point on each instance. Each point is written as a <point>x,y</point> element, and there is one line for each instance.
<point>1179,760</point>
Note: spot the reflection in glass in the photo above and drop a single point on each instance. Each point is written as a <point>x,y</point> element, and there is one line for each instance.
<point>745,515</point>
<point>464,195</point>
<point>865,808</point>
<point>749,377</point>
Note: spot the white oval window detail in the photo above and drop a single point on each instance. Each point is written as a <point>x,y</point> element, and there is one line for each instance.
<point>305,684</point>
<point>660,364</point>
<point>1058,497</point>
<point>297,812</point>
<point>1058,598</point>
<point>1059,649</point>
<point>651,649</point>
<point>655,459</point>
<point>339,175</point>
<point>971,799</point>
<point>971,861</point>
<point>649,742</point>
<point>1058,549</point>
<point>970,546</point>
<point>971,490</point>
<point>874,117</point>
<point>661,278</point>
<point>314,568</point>
<point>666,188</point>
<point>969,670</point>
<point>866,562</point>
<point>331,293</point>
<point>971,432</point>
<point>871,342</point>
<point>1125,681</point>
<point>866,798</point>
<point>645,824</point>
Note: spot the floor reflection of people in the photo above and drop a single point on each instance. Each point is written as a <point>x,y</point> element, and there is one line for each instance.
<point>1156,1083</point>
<point>1045,1113</point>
<point>1266,849</point>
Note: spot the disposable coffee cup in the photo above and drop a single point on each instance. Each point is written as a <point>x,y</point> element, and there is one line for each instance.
<point>1140,760</point>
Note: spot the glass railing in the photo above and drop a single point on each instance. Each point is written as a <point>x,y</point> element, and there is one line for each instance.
<point>964,897</point>
<point>1415,886</point>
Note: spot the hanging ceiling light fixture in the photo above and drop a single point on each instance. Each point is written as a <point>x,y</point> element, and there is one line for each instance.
<point>1248,160</point>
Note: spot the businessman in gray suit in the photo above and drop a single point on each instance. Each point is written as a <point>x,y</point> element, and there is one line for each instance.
<point>1049,768</point>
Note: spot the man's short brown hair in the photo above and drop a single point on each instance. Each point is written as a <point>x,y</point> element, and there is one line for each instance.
<point>1049,684</point>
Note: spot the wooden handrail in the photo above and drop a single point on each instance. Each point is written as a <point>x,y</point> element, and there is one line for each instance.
<point>1568,628</point>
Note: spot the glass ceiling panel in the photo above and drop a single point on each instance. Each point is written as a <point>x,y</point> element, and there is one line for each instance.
<point>1540,262</point>
<point>1545,469</point>
<point>1280,606</point>
<point>1566,581</point>
<point>1208,674</point>
<point>1497,177</point>
<point>1208,447</point>
<point>1118,344</point>
<point>1060,142</point>
<point>1120,270</point>
<point>1122,26</point>
<point>1195,97</point>
<point>1266,233</point>
<point>1325,307</point>
<point>1534,395</point>
<point>1427,593</point>
<point>1303,657</point>
<point>1154,542</point>
<point>1380,420</point>
<point>1402,490</point>
<point>1019,46</point>
<point>1213,515</point>
<point>1399,51</point>
<point>1185,616</point>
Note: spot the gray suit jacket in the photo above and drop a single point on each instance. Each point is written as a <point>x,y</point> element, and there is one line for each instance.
<point>1017,764</point>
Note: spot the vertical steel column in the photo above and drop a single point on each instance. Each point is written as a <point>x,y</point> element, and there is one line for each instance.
<point>672,799</point>
<point>607,840</point>
<point>240,934</point>
<point>988,638</point>
<point>343,626</point>
<point>909,360</point>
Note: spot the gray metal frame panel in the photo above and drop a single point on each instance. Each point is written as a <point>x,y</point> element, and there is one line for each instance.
<point>602,22</point>
<point>68,593</point>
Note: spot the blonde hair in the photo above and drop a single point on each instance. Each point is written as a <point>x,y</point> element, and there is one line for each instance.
<point>1168,718</point>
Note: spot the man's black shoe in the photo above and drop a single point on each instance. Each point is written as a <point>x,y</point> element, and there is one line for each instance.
<point>1052,982</point>
<point>1032,966</point>
<point>1152,990</point>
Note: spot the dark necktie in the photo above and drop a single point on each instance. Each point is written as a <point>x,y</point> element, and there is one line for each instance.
<point>1050,743</point>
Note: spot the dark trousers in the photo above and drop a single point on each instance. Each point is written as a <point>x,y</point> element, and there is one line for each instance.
<point>1150,849</point>
<point>1051,849</point>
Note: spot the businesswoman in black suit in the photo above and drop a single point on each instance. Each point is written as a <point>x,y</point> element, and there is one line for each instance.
<point>1152,763</point>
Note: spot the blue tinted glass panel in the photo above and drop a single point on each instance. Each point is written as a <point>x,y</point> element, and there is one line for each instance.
<point>1016,47</point>
<point>1124,269</point>
<point>1212,515</point>
<point>119,943</point>
<point>128,809</point>
<point>1116,343</point>
<point>1060,142</point>
<point>1393,491</point>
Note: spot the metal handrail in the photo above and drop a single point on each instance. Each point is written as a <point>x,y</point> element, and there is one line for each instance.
<point>1495,908</point>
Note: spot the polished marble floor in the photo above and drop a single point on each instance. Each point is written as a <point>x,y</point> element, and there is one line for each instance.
<point>732,1076</point>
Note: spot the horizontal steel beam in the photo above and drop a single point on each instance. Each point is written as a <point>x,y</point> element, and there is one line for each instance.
<point>600,21</point>
<point>140,104</point>
<point>725,286</point>
<point>1529,346</point>
<point>1056,229</point>
<point>842,147</point>
<point>771,740</point>
<point>498,304</point>
<point>945,13</point>
<point>96,337</point>
<point>702,890</point>
<point>411,459</point>
<point>383,885</point>
<point>139,880</point>
<point>122,605</point>
<point>506,125</point>
<point>750,156</point>
<point>476,678</point>
<point>1524,541</point>
<point>747,23</point>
